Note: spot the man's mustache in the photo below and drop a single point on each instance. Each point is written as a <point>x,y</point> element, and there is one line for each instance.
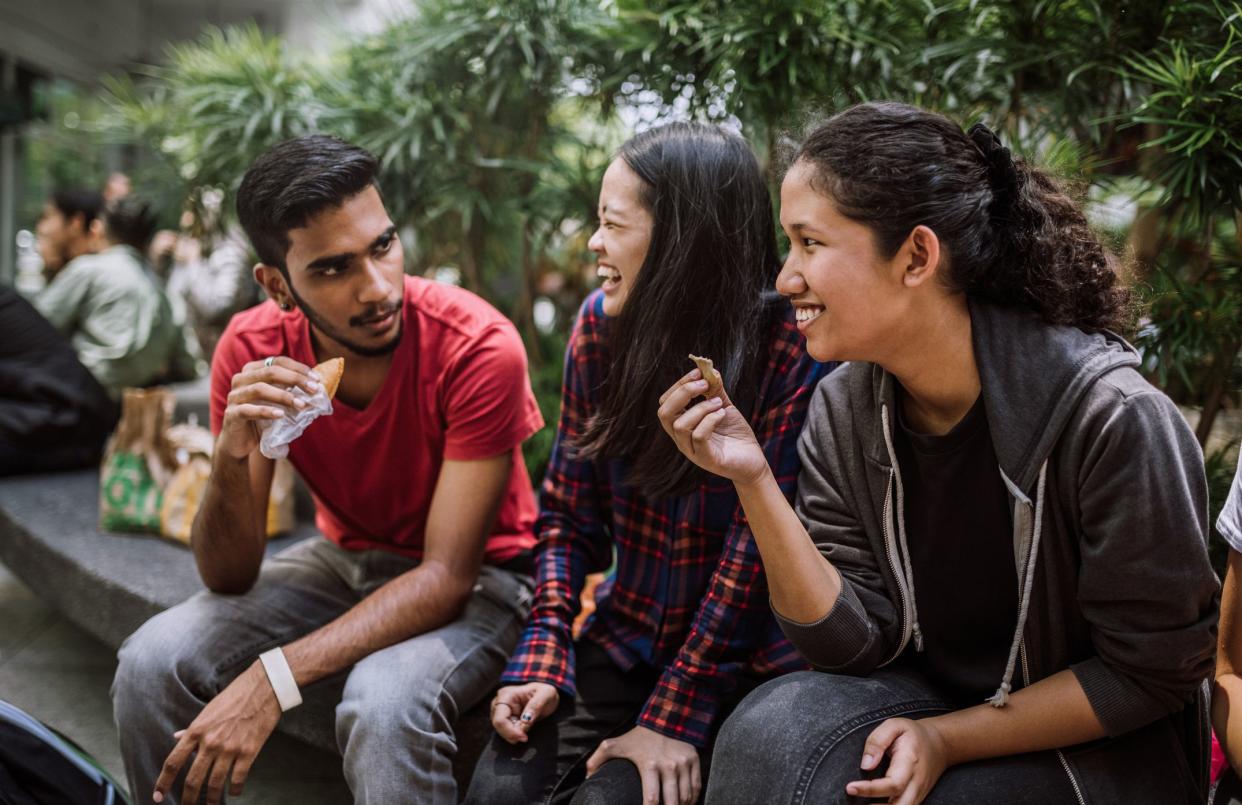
<point>374,315</point>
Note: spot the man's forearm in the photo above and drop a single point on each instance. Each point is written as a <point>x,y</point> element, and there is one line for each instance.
<point>415,602</point>
<point>227,543</point>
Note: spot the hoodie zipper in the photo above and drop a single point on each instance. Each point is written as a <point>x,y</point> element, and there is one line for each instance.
<point>1026,681</point>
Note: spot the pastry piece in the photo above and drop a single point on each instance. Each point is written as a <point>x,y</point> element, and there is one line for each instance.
<point>331,372</point>
<point>710,374</point>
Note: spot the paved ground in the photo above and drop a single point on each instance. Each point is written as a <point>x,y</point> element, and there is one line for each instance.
<point>60,674</point>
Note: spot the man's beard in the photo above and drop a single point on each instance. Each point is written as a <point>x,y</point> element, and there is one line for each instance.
<point>331,332</point>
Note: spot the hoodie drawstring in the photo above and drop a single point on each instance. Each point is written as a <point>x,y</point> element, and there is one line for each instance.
<point>1001,697</point>
<point>901,532</point>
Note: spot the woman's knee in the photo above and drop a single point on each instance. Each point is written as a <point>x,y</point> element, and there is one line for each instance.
<point>814,718</point>
<point>507,775</point>
<point>616,783</point>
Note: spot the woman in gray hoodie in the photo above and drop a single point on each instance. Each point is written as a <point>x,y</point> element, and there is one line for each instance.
<point>998,560</point>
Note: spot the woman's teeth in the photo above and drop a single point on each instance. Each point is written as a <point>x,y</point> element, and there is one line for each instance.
<point>805,314</point>
<point>607,273</point>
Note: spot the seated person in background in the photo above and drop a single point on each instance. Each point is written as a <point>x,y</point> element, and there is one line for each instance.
<point>68,228</point>
<point>415,594</point>
<point>112,310</point>
<point>209,277</point>
<point>53,413</point>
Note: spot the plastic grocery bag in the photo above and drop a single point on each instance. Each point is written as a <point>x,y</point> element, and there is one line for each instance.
<point>137,463</point>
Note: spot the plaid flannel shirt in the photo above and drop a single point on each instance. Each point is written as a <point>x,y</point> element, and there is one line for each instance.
<point>689,596</point>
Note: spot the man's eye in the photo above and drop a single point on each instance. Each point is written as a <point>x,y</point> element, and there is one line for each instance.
<point>384,245</point>
<point>809,242</point>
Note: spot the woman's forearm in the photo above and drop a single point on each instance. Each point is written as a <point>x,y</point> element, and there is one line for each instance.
<point>804,586</point>
<point>1050,714</point>
<point>1227,692</point>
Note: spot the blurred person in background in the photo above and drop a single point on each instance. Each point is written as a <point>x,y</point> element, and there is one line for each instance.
<point>208,277</point>
<point>117,187</point>
<point>111,308</point>
<point>68,228</point>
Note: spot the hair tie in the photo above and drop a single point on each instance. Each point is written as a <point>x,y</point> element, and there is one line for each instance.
<point>1002,173</point>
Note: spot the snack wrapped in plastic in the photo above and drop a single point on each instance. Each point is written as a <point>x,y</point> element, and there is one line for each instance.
<point>278,433</point>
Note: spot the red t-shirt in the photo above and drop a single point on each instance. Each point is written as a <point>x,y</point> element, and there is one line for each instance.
<point>458,389</point>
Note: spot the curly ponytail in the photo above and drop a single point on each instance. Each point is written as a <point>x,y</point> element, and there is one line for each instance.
<point>1013,235</point>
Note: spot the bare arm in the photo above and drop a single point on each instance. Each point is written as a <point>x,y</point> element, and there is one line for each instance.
<point>1228,688</point>
<point>229,531</point>
<point>467,496</point>
<point>1052,713</point>
<point>803,584</point>
<point>231,730</point>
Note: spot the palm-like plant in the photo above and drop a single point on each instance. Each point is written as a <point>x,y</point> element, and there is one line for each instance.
<point>218,103</point>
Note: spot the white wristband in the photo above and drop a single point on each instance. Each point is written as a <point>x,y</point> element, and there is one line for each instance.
<point>281,677</point>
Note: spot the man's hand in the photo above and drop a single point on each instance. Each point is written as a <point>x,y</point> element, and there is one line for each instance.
<point>261,393</point>
<point>917,758</point>
<point>226,736</point>
<point>516,708</point>
<point>669,768</point>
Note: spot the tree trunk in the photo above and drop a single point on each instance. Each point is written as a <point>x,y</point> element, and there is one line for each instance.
<point>472,264</point>
<point>1145,241</point>
<point>523,314</point>
<point>1212,403</point>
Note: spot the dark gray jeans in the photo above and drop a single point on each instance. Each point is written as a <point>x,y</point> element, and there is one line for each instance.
<point>799,739</point>
<point>398,706</point>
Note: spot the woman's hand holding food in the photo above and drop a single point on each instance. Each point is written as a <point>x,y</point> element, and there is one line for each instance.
<point>711,433</point>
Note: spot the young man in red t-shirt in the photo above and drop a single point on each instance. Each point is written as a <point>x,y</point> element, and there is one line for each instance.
<point>417,591</point>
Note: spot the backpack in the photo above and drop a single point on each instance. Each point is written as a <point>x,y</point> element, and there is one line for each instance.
<point>39,766</point>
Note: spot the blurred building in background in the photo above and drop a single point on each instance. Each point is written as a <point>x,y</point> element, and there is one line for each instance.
<point>53,53</point>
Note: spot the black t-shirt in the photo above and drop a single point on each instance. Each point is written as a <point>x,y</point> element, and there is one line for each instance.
<point>960,536</point>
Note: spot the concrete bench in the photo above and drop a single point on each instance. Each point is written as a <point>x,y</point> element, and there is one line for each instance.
<point>110,583</point>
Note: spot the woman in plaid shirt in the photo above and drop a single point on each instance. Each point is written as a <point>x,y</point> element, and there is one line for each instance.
<point>626,712</point>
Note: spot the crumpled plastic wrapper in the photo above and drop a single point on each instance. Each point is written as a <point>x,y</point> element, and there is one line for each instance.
<point>278,433</point>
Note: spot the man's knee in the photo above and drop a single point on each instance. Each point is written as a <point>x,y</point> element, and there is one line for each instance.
<point>167,656</point>
<point>150,655</point>
<point>382,704</point>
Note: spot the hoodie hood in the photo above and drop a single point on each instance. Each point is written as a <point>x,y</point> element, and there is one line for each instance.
<point>1033,377</point>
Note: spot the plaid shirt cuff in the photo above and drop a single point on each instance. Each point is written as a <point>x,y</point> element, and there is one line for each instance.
<point>540,657</point>
<point>681,709</point>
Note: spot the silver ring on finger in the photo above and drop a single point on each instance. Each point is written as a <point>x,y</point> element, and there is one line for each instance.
<point>268,363</point>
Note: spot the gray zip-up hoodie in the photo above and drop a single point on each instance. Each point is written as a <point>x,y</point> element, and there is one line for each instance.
<point>1110,520</point>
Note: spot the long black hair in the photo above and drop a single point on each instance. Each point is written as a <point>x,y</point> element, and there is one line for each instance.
<point>1014,236</point>
<point>704,288</point>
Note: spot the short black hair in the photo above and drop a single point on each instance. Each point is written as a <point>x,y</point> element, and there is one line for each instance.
<point>86,203</point>
<point>130,221</point>
<point>292,182</point>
